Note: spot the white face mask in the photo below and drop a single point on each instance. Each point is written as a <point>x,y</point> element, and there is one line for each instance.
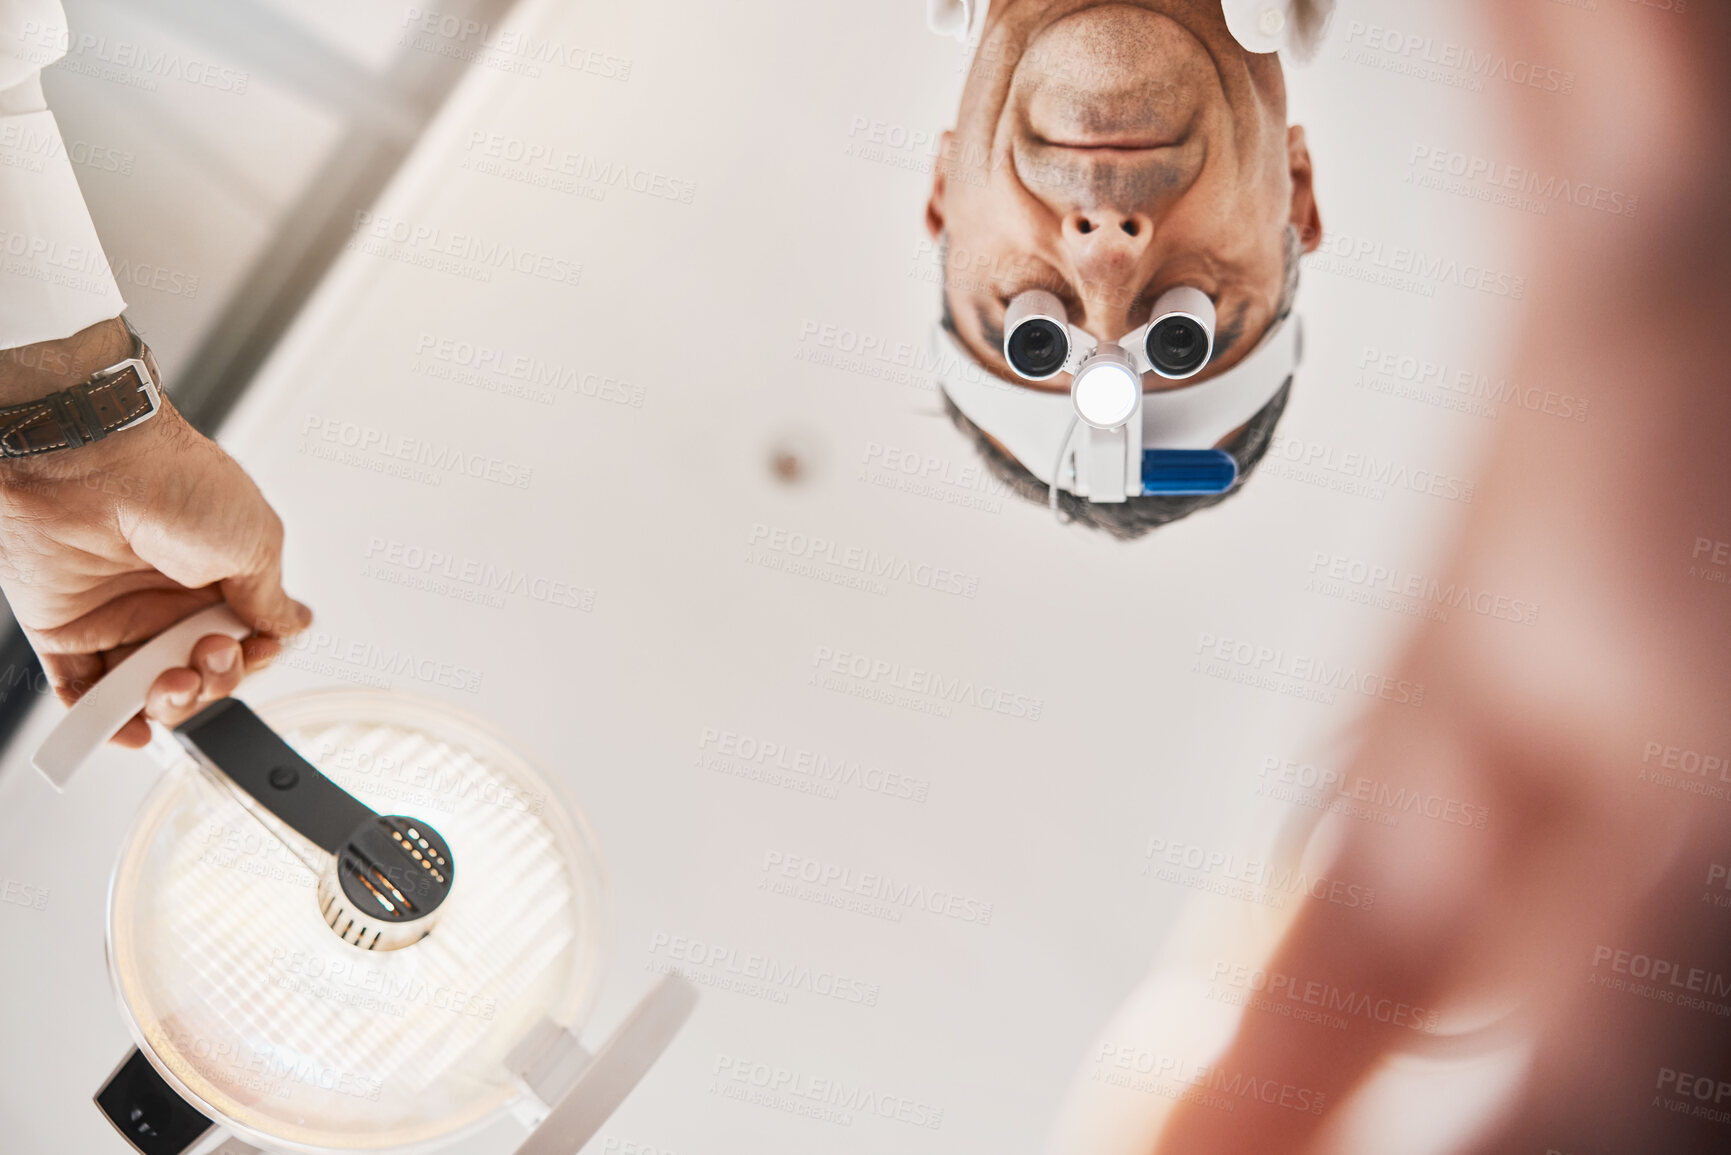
<point>1165,445</point>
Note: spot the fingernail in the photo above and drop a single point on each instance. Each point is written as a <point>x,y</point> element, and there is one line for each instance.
<point>303,615</point>
<point>182,697</point>
<point>222,661</point>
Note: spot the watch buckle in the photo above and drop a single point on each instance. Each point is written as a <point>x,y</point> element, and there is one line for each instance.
<point>146,386</point>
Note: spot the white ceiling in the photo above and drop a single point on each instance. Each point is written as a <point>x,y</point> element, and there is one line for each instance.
<point>713,312</point>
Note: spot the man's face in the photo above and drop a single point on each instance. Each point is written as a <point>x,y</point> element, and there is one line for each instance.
<point>1107,152</point>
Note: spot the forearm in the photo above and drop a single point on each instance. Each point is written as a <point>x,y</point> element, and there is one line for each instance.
<point>125,459</point>
<point>1597,522</point>
<point>31,371</point>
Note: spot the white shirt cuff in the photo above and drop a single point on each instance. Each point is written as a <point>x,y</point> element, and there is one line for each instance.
<point>54,279</point>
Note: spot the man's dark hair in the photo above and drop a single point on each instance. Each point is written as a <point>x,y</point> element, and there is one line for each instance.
<point>1130,519</point>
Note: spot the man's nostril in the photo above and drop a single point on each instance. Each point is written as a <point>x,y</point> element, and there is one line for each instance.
<point>1084,225</point>
<point>1129,227</point>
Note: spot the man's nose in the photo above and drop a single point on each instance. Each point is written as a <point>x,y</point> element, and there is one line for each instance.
<point>1107,236</point>
<point>1106,247</point>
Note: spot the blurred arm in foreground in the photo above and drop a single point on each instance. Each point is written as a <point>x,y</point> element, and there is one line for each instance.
<point>1597,740</point>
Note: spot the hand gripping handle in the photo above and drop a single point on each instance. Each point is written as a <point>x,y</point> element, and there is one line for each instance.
<point>119,694</point>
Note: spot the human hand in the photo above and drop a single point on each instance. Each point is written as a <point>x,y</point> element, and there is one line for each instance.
<point>105,546</point>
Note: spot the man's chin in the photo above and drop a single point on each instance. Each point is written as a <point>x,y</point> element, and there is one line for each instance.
<point>1112,75</point>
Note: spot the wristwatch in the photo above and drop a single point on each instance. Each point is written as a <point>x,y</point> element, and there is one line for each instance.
<point>116,398</point>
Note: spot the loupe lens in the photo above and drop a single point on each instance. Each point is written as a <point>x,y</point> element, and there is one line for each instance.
<point>1177,346</point>
<point>1038,348</point>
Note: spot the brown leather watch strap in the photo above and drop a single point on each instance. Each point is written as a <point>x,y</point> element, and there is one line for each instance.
<point>116,398</point>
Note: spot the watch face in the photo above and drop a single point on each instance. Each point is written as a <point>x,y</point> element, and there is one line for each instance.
<point>254,1009</point>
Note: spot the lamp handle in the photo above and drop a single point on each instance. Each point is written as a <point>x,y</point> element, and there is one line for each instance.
<point>615,1070</point>
<point>119,694</point>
